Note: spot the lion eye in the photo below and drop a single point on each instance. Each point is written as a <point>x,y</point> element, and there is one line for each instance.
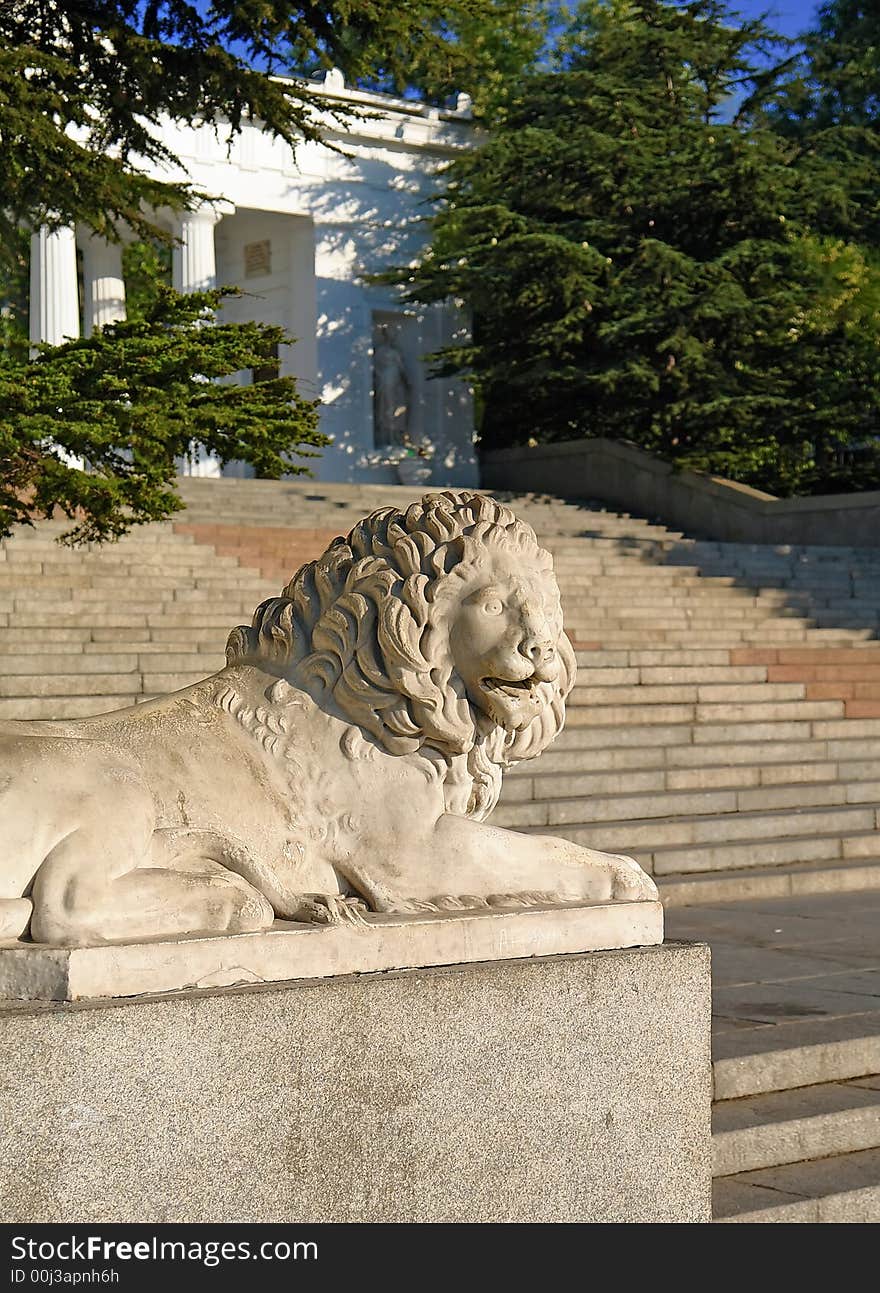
<point>494,606</point>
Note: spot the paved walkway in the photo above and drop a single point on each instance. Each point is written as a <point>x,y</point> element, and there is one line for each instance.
<point>783,961</point>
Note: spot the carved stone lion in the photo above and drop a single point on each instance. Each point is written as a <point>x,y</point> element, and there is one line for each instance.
<point>346,755</point>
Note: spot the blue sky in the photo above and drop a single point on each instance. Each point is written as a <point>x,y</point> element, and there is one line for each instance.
<point>788,17</point>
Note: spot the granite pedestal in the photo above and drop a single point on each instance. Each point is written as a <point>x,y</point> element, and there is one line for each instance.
<point>567,1088</point>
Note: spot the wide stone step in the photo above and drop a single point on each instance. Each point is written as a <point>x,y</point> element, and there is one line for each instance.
<point>621,668</point>
<point>569,753</point>
<point>796,1053</point>
<point>702,599</point>
<point>194,645</point>
<point>165,601</point>
<point>793,1126</point>
<point>69,684</point>
<point>668,659</point>
<point>844,1188</point>
<point>47,663</point>
<point>771,882</point>
<point>665,598</point>
<point>639,732</point>
<point>520,786</point>
<point>156,557</point>
<point>693,615</point>
<point>48,536</point>
<point>649,693</point>
<point>717,715</point>
<point>745,839</point>
<point>74,641</point>
<point>666,804</point>
<point>681,639</point>
<point>109,658</point>
<point>137,585</point>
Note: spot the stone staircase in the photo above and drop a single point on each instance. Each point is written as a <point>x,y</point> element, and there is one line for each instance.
<point>87,631</point>
<point>796,1055</point>
<point>725,730</point>
<point>808,1154</point>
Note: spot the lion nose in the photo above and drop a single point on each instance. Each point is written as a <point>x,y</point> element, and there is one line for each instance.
<point>538,650</point>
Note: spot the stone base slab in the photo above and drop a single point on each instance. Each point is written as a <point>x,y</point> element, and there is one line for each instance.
<point>34,972</point>
<point>565,1089</point>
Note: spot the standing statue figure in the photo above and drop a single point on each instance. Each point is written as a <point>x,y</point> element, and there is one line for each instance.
<point>391,390</point>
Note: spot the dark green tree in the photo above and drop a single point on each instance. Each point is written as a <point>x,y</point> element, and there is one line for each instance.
<point>146,265</point>
<point>830,105</point>
<point>477,46</point>
<point>84,88</point>
<point>647,257</point>
<point>842,75</point>
<point>129,400</point>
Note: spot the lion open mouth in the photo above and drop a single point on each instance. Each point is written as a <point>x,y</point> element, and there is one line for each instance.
<point>513,688</point>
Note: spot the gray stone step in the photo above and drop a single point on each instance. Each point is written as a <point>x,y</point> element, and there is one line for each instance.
<point>740,841</point>
<point>65,706</point>
<point>617,638</point>
<point>833,875</point>
<point>747,840</point>
<point>660,802</point>
<point>787,779</point>
<point>793,1126</point>
<point>844,1188</point>
<point>648,693</point>
<point>797,1053</point>
<point>710,718</point>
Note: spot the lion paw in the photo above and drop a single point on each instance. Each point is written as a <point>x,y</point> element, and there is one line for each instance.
<point>630,883</point>
<point>333,909</point>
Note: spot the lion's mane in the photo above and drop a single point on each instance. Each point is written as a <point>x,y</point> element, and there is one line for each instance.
<point>359,630</point>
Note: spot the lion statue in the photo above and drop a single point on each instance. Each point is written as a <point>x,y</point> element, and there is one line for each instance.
<point>345,759</point>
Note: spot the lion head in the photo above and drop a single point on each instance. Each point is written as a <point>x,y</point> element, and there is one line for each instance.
<point>436,630</point>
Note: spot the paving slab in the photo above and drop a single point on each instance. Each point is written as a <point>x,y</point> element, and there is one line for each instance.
<point>778,1002</point>
<point>734,966</point>
<point>859,983</point>
<point>749,924</point>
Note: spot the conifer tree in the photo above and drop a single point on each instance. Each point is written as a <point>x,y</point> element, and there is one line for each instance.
<point>93,427</point>
<point>843,63</point>
<point>648,257</point>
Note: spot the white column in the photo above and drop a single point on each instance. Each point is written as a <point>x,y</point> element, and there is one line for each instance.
<point>54,312</point>
<point>194,269</point>
<point>301,359</point>
<point>104,288</point>
<point>194,262</point>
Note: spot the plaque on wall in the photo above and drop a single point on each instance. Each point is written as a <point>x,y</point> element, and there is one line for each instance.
<point>257,259</point>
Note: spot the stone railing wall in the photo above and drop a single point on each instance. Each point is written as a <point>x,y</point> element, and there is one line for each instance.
<point>626,477</point>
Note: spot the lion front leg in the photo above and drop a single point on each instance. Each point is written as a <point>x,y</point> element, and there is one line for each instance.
<point>463,858</point>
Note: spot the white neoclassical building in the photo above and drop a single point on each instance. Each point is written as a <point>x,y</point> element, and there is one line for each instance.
<point>299,235</point>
